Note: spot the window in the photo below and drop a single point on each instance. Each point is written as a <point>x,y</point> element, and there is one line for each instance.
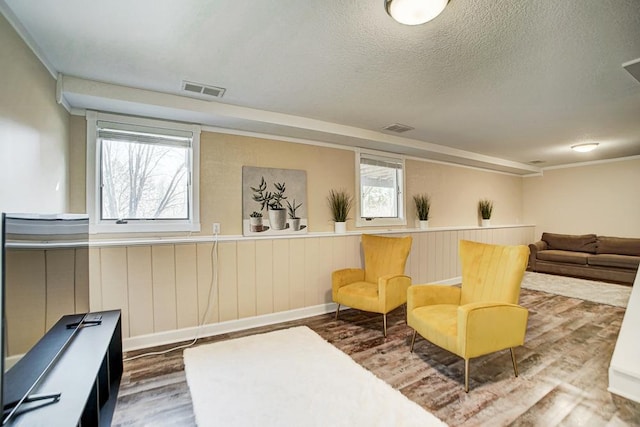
<point>144,174</point>
<point>380,183</point>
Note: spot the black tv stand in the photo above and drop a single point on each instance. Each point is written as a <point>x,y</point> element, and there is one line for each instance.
<point>82,383</point>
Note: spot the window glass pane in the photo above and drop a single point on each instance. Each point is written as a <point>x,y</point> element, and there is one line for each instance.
<point>378,189</point>
<point>142,180</point>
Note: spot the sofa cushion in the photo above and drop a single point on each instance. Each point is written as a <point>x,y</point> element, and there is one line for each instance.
<point>611,260</point>
<point>571,242</point>
<point>568,257</point>
<point>618,246</point>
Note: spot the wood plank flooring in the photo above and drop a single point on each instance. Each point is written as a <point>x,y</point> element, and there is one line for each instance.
<point>563,370</point>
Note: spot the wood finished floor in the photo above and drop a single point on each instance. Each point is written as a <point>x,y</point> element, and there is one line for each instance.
<point>563,370</point>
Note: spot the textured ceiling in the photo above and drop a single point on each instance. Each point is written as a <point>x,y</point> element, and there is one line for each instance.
<point>516,80</point>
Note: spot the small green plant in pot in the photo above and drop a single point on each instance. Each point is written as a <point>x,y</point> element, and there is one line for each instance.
<point>423,204</point>
<point>255,222</point>
<point>340,204</point>
<point>485,209</point>
<point>294,220</point>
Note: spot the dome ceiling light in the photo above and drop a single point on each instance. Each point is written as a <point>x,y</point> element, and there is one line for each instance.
<point>585,148</point>
<point>414,12</point>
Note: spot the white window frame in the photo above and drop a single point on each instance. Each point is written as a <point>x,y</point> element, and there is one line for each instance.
<point>380,222</point>
<point>96,224</point>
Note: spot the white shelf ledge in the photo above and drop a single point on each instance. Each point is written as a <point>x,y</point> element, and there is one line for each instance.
<point>134,241</point>
<point>624,370</point>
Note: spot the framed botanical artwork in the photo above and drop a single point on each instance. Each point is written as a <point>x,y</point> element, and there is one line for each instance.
<point>274,201</point>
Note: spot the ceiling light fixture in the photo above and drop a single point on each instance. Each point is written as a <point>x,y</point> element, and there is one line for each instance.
<point>414,12</point>
<point>585,148</point>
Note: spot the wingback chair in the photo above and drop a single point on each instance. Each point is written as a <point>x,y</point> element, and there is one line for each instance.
<point>480,317</point>
<point>381,286</point>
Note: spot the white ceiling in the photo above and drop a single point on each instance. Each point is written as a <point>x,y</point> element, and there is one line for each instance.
<point>487,83</point>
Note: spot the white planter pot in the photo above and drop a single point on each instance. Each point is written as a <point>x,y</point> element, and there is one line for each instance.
<point>424,224</point>
<point>277,218</point>
<point>294,224</point>
<point>256,224</point>
<point>486,223</point>
<point>340,227</point>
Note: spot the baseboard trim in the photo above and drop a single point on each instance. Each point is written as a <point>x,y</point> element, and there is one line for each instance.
<point>187,334</point>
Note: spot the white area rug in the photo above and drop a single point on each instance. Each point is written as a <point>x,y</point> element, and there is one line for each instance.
<point>590,290</point>
<point>291,377</point>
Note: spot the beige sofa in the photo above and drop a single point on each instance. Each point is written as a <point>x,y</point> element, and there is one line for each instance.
<point>612,259</point>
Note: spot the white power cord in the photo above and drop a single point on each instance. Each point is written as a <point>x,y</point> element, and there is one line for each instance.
<point>213,291</point>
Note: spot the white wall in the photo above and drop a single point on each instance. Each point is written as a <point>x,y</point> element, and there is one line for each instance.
<point>33,132</point>
<point>601,198</point>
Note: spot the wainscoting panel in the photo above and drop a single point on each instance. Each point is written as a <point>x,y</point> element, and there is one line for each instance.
<point>163,265</point>
<point>26,293</point>
<point>114,286</point>
<point>228,281</point>
<point>247,305</point>
<point>60,283</point>
<point>264,276</point>
<point>140,289</point>
<point>186,285</point>
<point>81,281</point>
<point>207,300</point>
<point>43,283</point>
<point>168,286</point>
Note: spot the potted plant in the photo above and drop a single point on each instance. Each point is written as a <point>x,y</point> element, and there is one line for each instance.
<point>263,197</point>
<point>485,208</point>
<point>277,214</point>
<point>340,204</point>
<point>272,202</point>
<point>423,203</point>
<point>255,221</point>
<point>294,220</point>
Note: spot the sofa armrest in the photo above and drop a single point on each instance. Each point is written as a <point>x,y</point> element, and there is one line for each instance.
<point>534,248</point>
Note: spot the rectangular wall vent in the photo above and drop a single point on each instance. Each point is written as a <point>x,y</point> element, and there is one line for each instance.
<point>204,91</point>
<point>397,128</point>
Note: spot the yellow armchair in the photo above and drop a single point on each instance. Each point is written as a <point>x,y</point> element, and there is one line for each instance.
<point>483,315</point>
<point>381,286</point>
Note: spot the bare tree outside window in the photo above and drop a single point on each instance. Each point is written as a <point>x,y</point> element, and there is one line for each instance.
<point>378,191</point>
<point>142,180</point>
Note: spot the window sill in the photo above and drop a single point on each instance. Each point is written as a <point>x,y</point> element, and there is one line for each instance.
<point>143,228</point>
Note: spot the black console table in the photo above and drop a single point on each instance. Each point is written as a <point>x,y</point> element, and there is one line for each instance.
<point>87,374</point>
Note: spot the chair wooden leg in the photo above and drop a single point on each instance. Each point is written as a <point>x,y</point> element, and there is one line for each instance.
<point>413,340</point>
<point>384,322</point>
<point>466,375</point>
<point>337,311</point>
<point>513,360</point>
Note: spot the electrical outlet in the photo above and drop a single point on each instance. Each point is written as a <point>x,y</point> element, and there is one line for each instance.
<point>216,228</point>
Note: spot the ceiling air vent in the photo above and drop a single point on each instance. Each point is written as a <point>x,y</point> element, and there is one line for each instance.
<point>202,91</point>
<point>397,128</point>
<point>537,162</point>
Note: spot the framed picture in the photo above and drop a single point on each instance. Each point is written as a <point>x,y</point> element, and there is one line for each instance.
<point>274,201</point>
